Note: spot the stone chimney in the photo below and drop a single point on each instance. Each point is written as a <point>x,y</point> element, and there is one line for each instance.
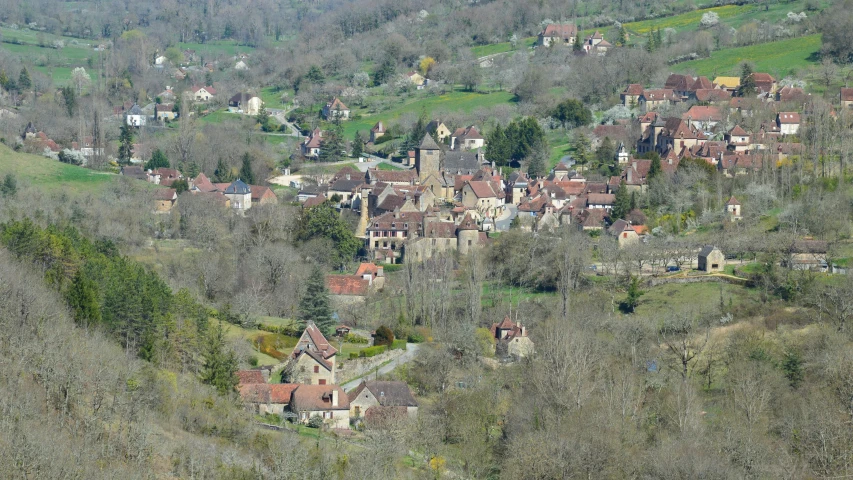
<point>334,397</point>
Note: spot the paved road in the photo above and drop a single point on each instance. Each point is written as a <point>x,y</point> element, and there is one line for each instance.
<point>503,222</point>
<point>407,356</point>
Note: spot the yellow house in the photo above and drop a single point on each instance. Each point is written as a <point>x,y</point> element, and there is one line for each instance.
<point>416,78</point>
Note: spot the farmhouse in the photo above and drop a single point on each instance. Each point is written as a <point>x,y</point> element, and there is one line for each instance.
<point>711,259</point>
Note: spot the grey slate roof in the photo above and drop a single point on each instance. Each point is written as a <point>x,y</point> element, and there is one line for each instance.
<point>238,187</point>
<point>135,110</point>
<point>428,143</point>
<point>464,163</point>
<point>706,250</point>
<point>389,394</point>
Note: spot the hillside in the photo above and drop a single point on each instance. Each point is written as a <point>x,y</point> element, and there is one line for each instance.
<point>51,175</point>
<point>780,58</point>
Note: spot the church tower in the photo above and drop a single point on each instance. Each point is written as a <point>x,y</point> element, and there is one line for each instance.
<point>428,158</point>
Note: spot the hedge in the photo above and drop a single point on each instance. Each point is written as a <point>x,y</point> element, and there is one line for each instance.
<point>372,351</point>
<point>399,344</point>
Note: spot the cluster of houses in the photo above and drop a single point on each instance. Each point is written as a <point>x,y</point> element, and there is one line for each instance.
<point>192,64</point>
<point>237,194</point>
<point>556,34</point>
<point>312,391</point>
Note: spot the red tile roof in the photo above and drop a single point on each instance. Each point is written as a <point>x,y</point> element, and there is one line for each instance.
<point>347,285</point>
<point>318,397</point>
<point>633,89</point>
<point>560,30</point>
<point>250,376</point>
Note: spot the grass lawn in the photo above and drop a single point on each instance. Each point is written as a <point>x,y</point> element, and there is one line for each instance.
<point>494,291</point>
<point>780,58</point>
<point>272,98</point>
<point>51,175</point>
<point>220,116</point>
<point>454,101</point>
<point>388,166</point>
<point>216,48</point>
<point>701,297</point>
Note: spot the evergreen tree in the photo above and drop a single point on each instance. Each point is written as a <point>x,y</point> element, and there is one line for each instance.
<point>536,167</point>
<point>246,173</point>
<point>223,172</point>
<point>220,363</point>
<point>498,148</point>
<point>315,75</point>
<point>24,81</point>
<point>605,154</point>
<point>622,205</point>
<point>125,149</point>
<point>658,39</point>
<point>582,147</point>
<point>82,297</point>
<point>323,221</point>
<point>332,143</point>
<point>69,98</point>
<point>634,294</point>
<point>623,36</point>
<point>264,120</point>
<point>4,80</point>
<point>357,146</point>
<point>572,112</point>
<point>314,304</point>
<point>181,185</point>
<point>193,170</point>
<point>577,46</point>
<point>747,81</point>
<point>633,201</point>
<point>158,160</point>
<point>9,187</point>
<point>385,72</point>
<point>655,167</point>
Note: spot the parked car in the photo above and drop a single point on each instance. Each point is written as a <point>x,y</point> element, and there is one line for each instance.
<point>673,268</point>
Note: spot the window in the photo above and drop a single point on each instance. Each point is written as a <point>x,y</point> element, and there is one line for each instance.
<point>469,243</point>
<point>376,244</point>
<point>625,235</point>
<point>322,381</point>
<point>316,369</point>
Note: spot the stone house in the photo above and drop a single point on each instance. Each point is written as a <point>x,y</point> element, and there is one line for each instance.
<point>165,111</point>
<point>557,34</point>
<point>631,95</point>
<point>382,395</point>
<point>266,398</point>
<point>511,339</point>
<point>466,139</point>
<point>336,109</point>
<point>311,144</point>
<point>202,93</point>
<point>239,194</point>
<point>733,208</point>
<point>135,117</point>
<point>788,122</point>
<point>846,96</point>
<point>438,129</point>
<point>312,359</point>
<point>330,402</point>
<point>263,195</point>
<point>483,196</point>
<point>377,131</point>
<point>625,233</point>
<point>164,200</point>
<point>711,259</point>
<point>245,103</point>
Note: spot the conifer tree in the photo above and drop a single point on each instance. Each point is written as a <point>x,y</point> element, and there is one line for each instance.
<point>246,173</point>
<point>220,363</point>
<point>24,81</point>
<point>357,146</point>
<point>125,149</point>
<point>622,205</point>
<point>223,172</point>
<point>314,304</point>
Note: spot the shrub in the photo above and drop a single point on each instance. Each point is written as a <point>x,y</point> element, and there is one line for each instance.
<point>373,351</point>
<point>398,345</point>
<point>383,336</point>
<point>356,339</point>
<point>415,337</point>
<point>353,355</point>
<point>316,421</point>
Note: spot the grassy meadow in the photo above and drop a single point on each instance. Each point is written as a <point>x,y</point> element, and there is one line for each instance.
<point>780,58</point>
<point>51,175</point>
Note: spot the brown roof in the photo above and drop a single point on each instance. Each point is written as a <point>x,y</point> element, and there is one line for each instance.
<point>370,268</point>
<point>438,229</point>
<point>387,393</point>
<point>633,89</point>
<point>203,183</point>
<point>601,199</point>
<point>560,30</point>
<point>250,376</point>
<point>660,94</point>
<point>713,95</point>
<point>733,201</point>
<point>336,104</point>
<point>318,397</point>
<point>347,284</point>
<point>701,113</point>
<point>314,201</point>
<point>702,83</point>
<point>738,131</point>
<point>395,176</point>
<point>260,192</point>
<point>281,392</point>
<point>788,118</point>
<point>676,81</point>
<point>847,94</point>
<point>319,340</point>
<point>482,189</point>
<point>165,194</point>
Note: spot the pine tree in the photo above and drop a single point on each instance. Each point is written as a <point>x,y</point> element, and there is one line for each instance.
<point>158,160</point>
<point>332,143</point>
<point>577,46</point>
<point>582,147</point>
<point>9,187</point>
<point>622,205</point>
<point>4,80</point>
<point>623,36</point>
<point>357,146</point>
<point>82,298</point>
<point>498,149</point>
<point>654,168</point>
<point>314,304</point>
<point>658,39</point>
<point>747,81</point>
<point>24,81</point>
<point>193,170</point>
<point>246,173</point>
<point>220,363</point>
<point>633,201</point>
<point>125,149</point>
<point>223,172</point>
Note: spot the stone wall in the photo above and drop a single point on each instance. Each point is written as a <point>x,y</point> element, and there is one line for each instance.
<point>349,369</point>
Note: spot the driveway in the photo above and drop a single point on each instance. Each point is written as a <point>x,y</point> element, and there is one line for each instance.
<point>406,357</point>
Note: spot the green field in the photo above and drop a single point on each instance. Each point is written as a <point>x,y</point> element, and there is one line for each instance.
<point>50,175</point>
<point>780,58</point>
<point>455,101</point>
<point>207,51</point>
<point>701,297</point>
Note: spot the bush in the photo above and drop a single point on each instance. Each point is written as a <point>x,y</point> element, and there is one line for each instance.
<point>316,421</point>
<point>356,339</point>
<point>353,355</point>
<point>372,351</point>
<point>383,336</point>
<point>398,345</point>
<point>253,361</point>
<point>415,337</point>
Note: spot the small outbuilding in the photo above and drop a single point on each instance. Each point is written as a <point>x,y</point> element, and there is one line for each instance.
<point>711,259</point>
